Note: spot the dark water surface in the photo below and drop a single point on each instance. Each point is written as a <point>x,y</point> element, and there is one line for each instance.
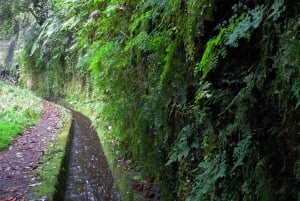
<point>88,177</point>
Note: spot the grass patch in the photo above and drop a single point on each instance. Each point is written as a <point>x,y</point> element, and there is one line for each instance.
<point>53,160</point>
<point>19,109</point>
<point>8,132</point>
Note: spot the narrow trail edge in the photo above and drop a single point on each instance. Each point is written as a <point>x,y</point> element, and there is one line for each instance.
<point>20,162</point>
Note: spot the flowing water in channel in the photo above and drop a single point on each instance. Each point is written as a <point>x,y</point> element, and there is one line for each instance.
<point>88,177</point>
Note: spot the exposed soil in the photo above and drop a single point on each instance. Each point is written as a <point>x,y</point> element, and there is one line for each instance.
<point>20,162</point>
<point>147,190</point>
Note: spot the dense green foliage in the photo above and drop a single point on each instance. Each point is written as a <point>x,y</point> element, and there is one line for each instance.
<point>202,94</point>
<point>19,109</point>
<point>13,14</point>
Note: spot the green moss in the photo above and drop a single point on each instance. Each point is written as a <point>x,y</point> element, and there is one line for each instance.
<point>53,161</point>
<point>220,106</point>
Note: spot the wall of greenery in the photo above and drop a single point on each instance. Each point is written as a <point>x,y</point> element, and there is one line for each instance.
<point>204,95</point>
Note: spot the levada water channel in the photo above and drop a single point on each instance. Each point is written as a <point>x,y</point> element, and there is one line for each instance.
<point>87,174</point>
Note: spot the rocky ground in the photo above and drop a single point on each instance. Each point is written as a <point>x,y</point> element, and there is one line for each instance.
<point>20,162</point>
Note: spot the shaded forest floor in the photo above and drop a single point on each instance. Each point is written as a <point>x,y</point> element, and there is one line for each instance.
<point>19,163</point>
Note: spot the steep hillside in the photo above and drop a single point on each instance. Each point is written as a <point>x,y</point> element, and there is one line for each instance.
<point>203,95</point>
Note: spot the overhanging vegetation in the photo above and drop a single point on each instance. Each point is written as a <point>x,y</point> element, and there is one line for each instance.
<point>203,95</point>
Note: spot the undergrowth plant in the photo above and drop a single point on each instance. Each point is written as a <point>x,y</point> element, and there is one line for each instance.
<point>19,109</point>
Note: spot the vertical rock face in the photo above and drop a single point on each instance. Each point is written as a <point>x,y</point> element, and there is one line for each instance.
<point>9,68</point>
<point>12,47</point>
<point>10,54</point>
<point>4,44</point>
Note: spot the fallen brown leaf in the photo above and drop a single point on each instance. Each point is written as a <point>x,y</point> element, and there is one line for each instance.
<point>27,148</point>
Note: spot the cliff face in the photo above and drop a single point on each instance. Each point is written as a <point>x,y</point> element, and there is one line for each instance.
<point>3,53</point>
<point>8,54</point>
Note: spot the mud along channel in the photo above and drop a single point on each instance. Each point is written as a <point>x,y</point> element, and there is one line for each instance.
<point>88,176</point>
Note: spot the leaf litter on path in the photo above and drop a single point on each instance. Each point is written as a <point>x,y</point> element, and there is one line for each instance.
<point>19,163</point>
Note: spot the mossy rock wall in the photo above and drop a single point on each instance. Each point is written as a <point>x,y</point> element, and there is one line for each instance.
<point>202,95</point>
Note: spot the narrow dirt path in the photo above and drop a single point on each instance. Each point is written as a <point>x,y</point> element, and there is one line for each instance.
<point>19,163</point>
